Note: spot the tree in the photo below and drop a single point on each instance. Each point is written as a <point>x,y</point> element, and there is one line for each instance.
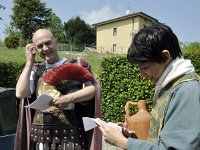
<point>191,47</point>
<point>56,27</point>
<point>1,7</point>
<point>28,16</point>
<point>192,52</point>
<point>79,32</point>
<point>12,31</point>
<point>11,41</point>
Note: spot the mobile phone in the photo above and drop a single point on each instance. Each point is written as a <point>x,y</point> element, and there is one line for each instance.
<point>34,51</point>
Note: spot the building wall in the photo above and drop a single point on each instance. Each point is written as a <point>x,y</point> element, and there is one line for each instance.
<point>106,40</point>
<point>125,31</point>
<point>143,22</point>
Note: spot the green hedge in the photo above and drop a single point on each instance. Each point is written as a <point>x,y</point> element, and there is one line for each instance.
<point>194,56</point>
<point>121,82</point>
<point>9,72</point>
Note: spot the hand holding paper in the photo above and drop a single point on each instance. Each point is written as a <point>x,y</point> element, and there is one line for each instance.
<point>90,123</point>
<point>41,103</point>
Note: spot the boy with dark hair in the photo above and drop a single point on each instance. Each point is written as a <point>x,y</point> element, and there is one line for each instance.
<point>175,122</point>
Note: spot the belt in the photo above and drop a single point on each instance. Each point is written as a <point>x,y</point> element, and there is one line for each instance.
<point>56,134</point>
<point>65,117</point>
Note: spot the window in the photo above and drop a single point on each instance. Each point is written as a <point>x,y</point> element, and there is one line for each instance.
<point>114,48</point>
<point>114,31</point>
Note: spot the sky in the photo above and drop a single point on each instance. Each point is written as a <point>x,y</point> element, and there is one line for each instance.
<point>183,16</point>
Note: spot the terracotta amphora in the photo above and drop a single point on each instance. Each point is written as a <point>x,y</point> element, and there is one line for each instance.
<point>140,121</point>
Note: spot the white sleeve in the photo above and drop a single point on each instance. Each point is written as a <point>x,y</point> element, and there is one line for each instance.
<point>32,84</point>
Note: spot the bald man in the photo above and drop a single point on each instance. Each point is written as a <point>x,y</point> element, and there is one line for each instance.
<point>47,135</point>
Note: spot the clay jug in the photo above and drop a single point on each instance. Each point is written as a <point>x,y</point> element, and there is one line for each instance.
<point>140,121</point>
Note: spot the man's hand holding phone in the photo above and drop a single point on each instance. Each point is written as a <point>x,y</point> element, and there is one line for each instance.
<point>30,52</point>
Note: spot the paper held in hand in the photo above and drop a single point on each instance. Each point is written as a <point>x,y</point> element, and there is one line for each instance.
<point>90,123</point>
<point>41,103</point>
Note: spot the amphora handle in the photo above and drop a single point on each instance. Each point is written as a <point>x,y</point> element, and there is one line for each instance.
<point>128,104</point>
<point>139,104</point>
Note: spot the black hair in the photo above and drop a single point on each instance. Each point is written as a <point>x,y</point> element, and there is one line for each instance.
<point>149,42</point>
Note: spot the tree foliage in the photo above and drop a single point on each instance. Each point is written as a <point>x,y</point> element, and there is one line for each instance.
<point>56,27</point>
<point>192,51</point>
<point>11,41</point>
<point>79,32</point>
<point>29,15</point>
<point>191,47</point>
<point>10,30</point>
<point>1,7</point>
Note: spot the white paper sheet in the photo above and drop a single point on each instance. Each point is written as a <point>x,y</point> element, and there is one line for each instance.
<point>41,103</point>
<point>90,123</point>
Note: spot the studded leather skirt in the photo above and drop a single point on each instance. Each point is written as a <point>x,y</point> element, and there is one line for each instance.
<point>57,131</point>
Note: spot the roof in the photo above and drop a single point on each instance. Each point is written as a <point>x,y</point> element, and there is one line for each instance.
<point>126,17</point>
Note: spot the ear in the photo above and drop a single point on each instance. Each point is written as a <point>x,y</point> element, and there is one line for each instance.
<point>166,55</point>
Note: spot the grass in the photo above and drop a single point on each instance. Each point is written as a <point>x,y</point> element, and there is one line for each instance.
<point>13,55</point>
<point>18,56</point>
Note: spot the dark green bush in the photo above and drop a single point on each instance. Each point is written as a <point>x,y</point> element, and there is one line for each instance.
<point>9,73</point>
<point>192,51</point>
<point>194,56</point>
<point>11,41</point>
<point>121,82</point>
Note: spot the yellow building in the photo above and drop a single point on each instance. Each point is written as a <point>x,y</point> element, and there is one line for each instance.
<point>115,35</point>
